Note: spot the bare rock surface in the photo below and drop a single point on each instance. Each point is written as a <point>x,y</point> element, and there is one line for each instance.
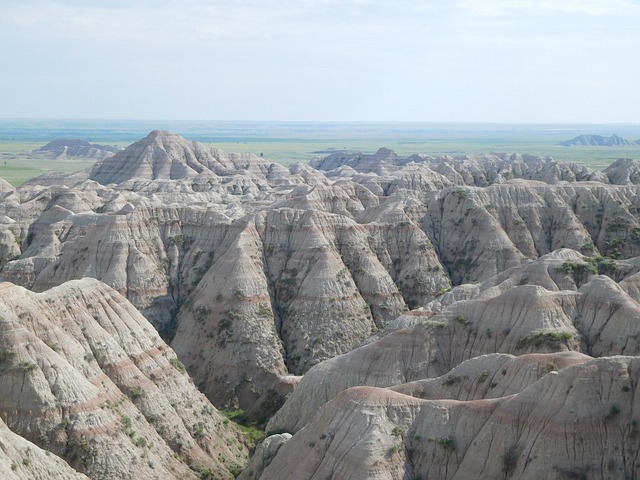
<point>598,319</point>
<point>22,460</point>
<point>163,155</point>
<point>264,455</point>
<point>578,422</point>
<point>493,375</point>
<point>255,273</point>
<point>86,377</point>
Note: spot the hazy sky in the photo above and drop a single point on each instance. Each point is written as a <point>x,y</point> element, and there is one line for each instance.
<point>397,60</point>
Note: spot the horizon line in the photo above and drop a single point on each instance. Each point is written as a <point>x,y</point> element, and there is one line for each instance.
<point>418,122</point>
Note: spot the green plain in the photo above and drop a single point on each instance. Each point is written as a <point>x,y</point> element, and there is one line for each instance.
<point>18,163</point>
<point>291,150</point>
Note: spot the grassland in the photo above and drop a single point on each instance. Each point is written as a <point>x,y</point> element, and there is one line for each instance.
<point>287,151</point>
<point>18,164</point>
<point>288,143</point>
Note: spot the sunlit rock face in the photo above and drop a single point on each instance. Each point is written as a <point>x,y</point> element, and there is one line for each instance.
<point>356,270</point>
<point>86,377</point>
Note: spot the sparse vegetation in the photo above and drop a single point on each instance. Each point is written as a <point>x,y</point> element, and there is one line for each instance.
<point>177,364</point>
<point>201,312</point>
<point>394,449</point>
<point>141,442</point>
<point>578,268</point>
<point>462,193</point>
<point>79,451</point>
<point>26,367</point>
<point>552,340</point>
<point>5,355</point>
<point>127,425</point>
<point>451,379</point>
<point>198,431</point>
<point>549,367</point>
<point>443,290</point>
<point>177,240</point>
<point>462,320</point>
<point>448,443</point>
<point>252,434</point>
<point>264,310</point>
<point>136,393</point>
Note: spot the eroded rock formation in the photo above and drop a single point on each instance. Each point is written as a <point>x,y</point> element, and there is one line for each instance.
<point>343,298</point>
<point>87,378</point>
<point>578,422</point>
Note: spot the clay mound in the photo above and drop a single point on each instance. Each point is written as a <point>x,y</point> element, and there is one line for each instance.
<point>599,319</point>
<point>491,376</point>
<point>479,170</point>
<point>395,359</point>
<point>86,377</point>
<point>563,425</point>
<point>317,264</point>
<point>314,281</point>
<point>166,156</point>
<point>380,162</point>
<point>624,171</point>
<point>6,188</point>
<point>20,459</point>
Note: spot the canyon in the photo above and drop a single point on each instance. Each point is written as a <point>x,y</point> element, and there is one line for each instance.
<point>379,316</point>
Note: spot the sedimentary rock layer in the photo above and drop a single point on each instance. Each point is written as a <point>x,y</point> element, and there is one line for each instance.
<point>87,378</point>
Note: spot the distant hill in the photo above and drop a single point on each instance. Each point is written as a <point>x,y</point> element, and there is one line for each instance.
<point>598,141</point>
<point>76,148</point>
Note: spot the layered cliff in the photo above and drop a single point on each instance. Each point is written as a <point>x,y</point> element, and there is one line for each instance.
<point>578,422</point>
<point>88,379</point>
<point>256,273</point>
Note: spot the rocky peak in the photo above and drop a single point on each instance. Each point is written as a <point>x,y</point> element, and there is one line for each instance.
<point>163,155</point>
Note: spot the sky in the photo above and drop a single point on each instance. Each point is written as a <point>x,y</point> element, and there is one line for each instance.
<point>519,61</point>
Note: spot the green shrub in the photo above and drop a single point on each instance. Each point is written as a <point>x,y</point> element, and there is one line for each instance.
<point>395,449</point>
<point>141,442</point>
<point>451,379</point>
<point>5,355</point>
<point>551,340</point>
<point>177,364</point>
<point>136,392</point>
<point>26,366</point>
<point>448,443</point>
<point>579,268</point>
<point>178,240</point>
<point>461,193</point>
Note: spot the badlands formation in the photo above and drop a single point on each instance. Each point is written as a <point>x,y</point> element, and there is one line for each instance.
<point>381,317</point>
<point>64,148</point>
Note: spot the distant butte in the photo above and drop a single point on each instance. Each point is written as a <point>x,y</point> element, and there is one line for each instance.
<point>598,141</point>
<point>76,148</point>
